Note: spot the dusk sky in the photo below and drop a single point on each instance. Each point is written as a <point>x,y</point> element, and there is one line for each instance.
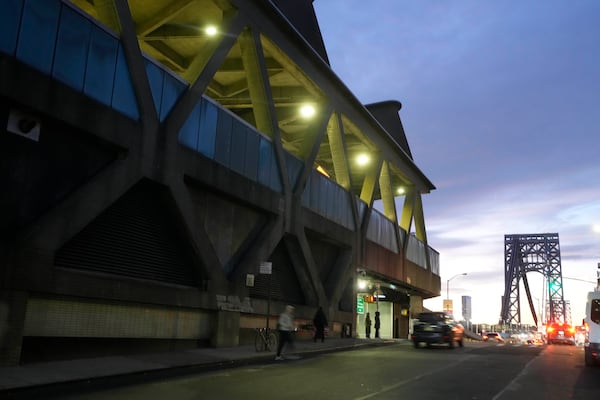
<point>501,108</point>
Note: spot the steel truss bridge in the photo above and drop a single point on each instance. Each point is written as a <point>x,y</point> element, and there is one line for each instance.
<point>533,253</point>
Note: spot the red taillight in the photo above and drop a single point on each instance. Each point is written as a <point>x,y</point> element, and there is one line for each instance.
<point>572,330</point>
<point>550,329</point>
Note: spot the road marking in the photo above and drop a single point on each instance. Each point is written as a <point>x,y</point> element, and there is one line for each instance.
<point>513,383</point>
<point>416,378</point>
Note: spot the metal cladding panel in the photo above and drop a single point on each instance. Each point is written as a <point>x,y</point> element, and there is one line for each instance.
<point>382,231</point>
<point>138,236</point>
<point>415,251</point>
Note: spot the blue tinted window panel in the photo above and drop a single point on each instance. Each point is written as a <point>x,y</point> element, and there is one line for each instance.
<point>315,186</point>
<point>319,194</point>
<point>265,149</point>
<point>343,209</point>
<point>156,78</point>
<point>275,178</point>
<point>306,193</point>
<point>223,140</point>
<point>172,90</point>
<point>326,198</point>
<point>123,97</point>
<point>349,215</point>
<point>38,34</point>
<point>70,57</point>
<point>294,166</point>
<point>251,156</point>
<point>335,206</point>
<point>188,135</point>
<point>102,59</point>
<point>362,207</point>
<point>10,19</point>
<point>268,173</point>
<point>209,114</point>
<point>238,147</point>
<point>340,208</point>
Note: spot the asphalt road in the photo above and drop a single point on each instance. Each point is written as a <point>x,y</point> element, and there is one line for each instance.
<point>476,372</point>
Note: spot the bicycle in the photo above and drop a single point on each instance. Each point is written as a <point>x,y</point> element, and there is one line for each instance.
<point>265,340</point>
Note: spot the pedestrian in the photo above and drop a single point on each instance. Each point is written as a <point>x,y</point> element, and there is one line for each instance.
<point>286,327</point>
<point>320,322</point>
<point>368,325</point>
<point>377,324</point>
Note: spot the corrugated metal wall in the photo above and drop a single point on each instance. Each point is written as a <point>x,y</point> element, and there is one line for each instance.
<point>139,237</point>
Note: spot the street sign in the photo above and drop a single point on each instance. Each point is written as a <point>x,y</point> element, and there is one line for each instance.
<point>448,306</point>
<point>266,268</point>
<point>360,305</point>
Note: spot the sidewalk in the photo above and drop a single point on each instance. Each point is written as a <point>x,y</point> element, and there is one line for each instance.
<point>140,367</point>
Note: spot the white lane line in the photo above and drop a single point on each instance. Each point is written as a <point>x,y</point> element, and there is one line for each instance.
<point>413,379</point>
<point>513,383</point>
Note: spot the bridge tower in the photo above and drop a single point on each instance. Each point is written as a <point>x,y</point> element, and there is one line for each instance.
<point>532,253</point>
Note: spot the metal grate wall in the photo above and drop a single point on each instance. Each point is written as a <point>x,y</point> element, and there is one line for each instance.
<point>138,236</point>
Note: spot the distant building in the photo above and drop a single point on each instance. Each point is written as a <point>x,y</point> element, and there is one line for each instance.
<point>466,308</point>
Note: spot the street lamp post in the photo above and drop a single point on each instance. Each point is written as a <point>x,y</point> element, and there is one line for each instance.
<point>448,286</point>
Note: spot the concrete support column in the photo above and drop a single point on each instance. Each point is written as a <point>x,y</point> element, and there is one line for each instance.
<point>226,329</point>
<point>13,306</point>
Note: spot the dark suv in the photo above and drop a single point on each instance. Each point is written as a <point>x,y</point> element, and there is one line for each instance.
<point>437,327</point>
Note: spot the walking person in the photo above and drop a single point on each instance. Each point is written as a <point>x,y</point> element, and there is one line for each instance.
<point>377,324</point>
<point>320,322</point>
<point>286,328</point>
<point>368,325</point>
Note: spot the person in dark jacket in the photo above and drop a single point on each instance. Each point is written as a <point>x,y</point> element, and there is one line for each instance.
<point>320,322</point>
<point>368,325</point>
<point>377,324</point>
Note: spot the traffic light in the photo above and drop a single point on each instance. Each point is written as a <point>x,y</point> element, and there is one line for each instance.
<point>554,286</point>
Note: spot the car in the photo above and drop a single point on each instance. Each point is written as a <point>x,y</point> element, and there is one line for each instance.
<point>492,337</point>
<point>437,328</point>
<point>560,332</point>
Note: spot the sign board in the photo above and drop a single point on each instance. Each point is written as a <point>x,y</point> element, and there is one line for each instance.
<point>250,280</point>
<point>360,305</point>
<point>266,268</point>
<point>448,306</point>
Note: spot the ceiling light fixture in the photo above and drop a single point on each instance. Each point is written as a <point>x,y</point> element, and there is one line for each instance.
<point>363,159</point>
<point>210,30</point>
<point>307,111</point>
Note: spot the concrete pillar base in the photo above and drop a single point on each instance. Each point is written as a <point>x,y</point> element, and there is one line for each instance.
<point>13,306</point>
<point>227,329</point>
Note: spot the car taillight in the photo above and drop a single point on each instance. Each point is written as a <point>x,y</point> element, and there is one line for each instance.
<point>550,329</point>
<point>571,330</point>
